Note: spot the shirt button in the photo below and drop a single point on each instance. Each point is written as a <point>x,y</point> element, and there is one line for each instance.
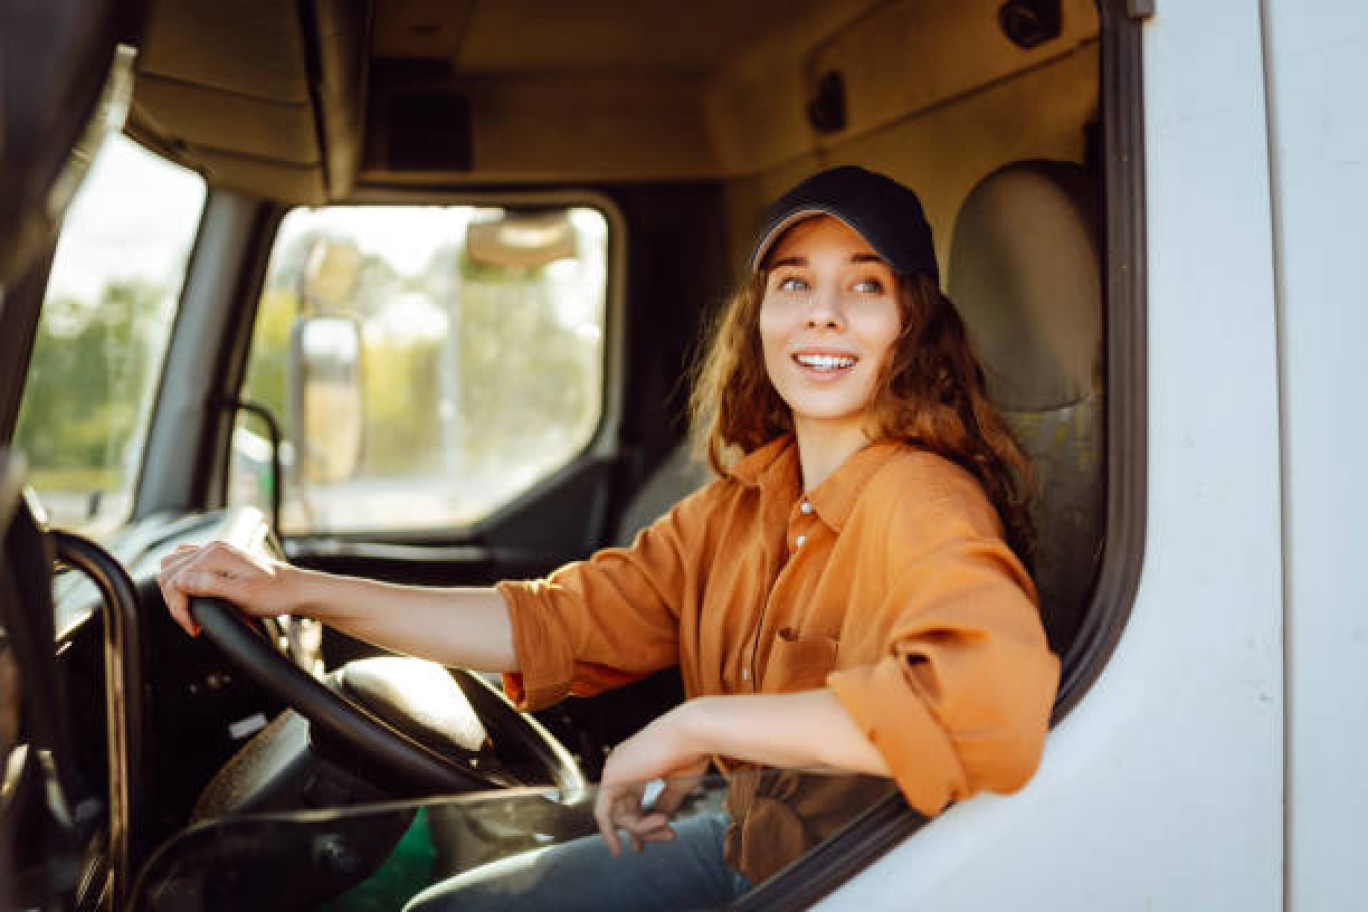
<point>798,542</point>
<point>805,508</point>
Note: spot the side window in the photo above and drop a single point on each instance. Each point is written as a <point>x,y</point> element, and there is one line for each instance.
<point>427,364</point>
<point>106,321</point>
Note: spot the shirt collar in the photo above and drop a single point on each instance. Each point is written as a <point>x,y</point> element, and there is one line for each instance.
<point>835,498</point>
<point>772,468</point>
<point>775,469</point>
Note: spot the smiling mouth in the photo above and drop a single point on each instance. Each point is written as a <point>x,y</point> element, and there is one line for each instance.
<point>826,364</point>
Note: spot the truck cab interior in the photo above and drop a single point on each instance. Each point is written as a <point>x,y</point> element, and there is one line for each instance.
<point>430,283</point>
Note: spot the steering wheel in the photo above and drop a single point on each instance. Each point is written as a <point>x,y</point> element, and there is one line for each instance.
<point>413,765</point>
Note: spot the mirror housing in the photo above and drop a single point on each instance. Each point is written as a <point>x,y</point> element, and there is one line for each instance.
<point>327,425</point>
<point>330,276</point>
<point>521,239</point>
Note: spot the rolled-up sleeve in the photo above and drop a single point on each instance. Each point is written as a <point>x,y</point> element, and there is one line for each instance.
<point>959,697</point>
<point>597,624</point>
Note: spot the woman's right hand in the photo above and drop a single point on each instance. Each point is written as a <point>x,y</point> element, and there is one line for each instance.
<point>257,585</point>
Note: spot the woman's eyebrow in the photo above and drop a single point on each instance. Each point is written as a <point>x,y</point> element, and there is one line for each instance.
<point>801,261</point>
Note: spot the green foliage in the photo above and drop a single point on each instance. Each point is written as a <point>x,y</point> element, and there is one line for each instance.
<point>520,375</point>
<point>86,384</point>
<point>524,375</point>
<point>268,377</point>
<point>400,384</point>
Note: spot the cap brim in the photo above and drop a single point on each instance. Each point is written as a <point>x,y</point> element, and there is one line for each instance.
<point>762,249</point>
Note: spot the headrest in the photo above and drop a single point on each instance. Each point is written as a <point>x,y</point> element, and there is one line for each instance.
<point>1025,273</point>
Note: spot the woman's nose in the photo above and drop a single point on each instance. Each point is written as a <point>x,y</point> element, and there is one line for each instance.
<point>825,311</point>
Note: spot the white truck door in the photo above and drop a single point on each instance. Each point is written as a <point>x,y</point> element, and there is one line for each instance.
<point>1317,68</point>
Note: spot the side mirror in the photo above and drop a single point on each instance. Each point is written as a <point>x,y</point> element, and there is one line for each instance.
<point>325,398</point>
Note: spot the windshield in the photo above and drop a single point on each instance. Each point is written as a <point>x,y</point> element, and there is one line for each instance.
<point>518,849</point>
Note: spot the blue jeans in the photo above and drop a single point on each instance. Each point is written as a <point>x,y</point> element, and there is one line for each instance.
<point>686,874</point>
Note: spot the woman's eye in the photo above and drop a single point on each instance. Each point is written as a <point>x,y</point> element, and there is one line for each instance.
<point>869,286</point>
<point>793,284</point>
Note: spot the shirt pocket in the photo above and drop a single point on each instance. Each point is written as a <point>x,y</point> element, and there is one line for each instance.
<point>800,662</point>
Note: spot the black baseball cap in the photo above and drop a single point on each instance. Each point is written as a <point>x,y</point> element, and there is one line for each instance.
<point>884,212</point>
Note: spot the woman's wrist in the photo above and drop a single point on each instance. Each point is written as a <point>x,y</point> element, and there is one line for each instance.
<point>695,726</point>
<point>300,588</point>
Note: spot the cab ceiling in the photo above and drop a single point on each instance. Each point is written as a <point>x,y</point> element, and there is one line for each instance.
<point>307,100</point>
<point>604,37</point>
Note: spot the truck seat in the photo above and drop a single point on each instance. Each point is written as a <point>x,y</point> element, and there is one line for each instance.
<point>1025,273</point>
<point>677,476</point>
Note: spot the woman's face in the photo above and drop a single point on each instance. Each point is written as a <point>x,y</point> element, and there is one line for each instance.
<point>828,321</point>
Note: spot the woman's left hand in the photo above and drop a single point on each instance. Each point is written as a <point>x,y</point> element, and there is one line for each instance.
<point>659,751</point>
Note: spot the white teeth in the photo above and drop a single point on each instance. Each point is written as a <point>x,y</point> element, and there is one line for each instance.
<point>825,362</point>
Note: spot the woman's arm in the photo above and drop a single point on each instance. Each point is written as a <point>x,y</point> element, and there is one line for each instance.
<point>469,628</point>
<point>809,730</point>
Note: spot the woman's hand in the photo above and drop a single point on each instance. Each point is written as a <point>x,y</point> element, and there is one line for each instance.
<point>257,585</point>
<point>810,730</point>
<point>661,750</point>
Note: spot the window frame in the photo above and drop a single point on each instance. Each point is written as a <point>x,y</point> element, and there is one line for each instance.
<point>603,442</point>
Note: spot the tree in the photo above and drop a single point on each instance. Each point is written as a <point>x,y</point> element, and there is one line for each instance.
<point>89,380</point>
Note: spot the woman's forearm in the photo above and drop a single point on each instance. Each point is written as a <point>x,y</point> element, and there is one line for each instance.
<point>466,627</point>
<point>470,628</point>
<point>808,730</point>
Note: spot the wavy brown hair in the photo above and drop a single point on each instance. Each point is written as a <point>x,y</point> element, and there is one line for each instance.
<point>931,394</point>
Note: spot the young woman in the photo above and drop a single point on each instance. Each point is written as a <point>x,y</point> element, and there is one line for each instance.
<point>849,595</point>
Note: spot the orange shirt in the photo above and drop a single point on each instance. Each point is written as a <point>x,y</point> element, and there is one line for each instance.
<point>889,583</point>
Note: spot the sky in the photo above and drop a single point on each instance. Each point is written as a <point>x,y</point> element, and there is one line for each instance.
<point>134,217</point>
<point>405,236</point>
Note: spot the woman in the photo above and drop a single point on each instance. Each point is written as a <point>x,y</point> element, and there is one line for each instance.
<point>849,594</point>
